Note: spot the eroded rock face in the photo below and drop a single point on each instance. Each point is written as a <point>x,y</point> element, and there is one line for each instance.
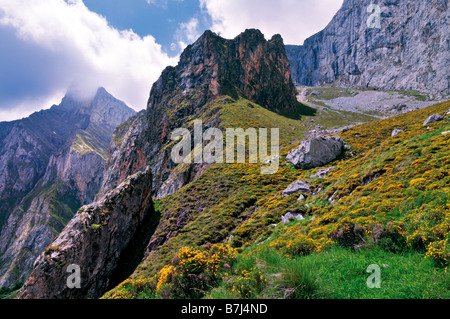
<point>244,66</point>
<point>409,52</point>
<point>316,152</point>
<point>94,240</point>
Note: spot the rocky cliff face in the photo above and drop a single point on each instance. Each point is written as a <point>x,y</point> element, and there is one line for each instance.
<point>95,240</point>
<point>248,66</point>
<point>410,50</point>
<point>50,164</point>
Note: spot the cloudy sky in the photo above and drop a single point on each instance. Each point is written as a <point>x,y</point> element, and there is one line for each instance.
<point>123,45</point>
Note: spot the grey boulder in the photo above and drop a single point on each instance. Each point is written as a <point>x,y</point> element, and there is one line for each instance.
<point>316,152</point>
<point>290,216</point>
<point>433,118</point>
<point>298,187</point>
<point>396,132</point>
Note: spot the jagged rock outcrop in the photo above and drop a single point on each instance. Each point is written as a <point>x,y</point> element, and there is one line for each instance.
<point>51,163</point>
<point>409,52</point>
<point>244,66</point>
<point>316,152</point>
<point>95,240</point>
<point>213,67</point>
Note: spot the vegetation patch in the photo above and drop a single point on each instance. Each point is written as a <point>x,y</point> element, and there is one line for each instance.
<point>386,204</point>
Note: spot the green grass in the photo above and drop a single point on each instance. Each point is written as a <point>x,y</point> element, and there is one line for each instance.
<point>94,139</point>
<point>331,93</point>
<point>340,273</point>
<point>419,96</point>
<point>407,204</point>
<point>245,114</point>
<point>10,293</point>
<point>343,275</point>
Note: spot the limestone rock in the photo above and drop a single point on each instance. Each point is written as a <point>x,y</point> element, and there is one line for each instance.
<point>297,187</point>
<point>51,163</point>
<point>396,132</point>
<point>433,118</point>
<point>285,219</point>
<point>322,173</point>
<point>95,240</point>
<point>316,152</point>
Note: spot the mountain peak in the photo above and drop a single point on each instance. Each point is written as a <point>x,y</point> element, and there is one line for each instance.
<point>240,67</point>
<point>107,111</point>
<point>98,105</point>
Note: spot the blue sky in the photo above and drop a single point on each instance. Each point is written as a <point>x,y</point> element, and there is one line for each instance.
<point>123,45</point>
<point>160,18</point>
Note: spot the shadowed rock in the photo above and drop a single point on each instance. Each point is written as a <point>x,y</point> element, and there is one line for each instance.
<point>94,240</point>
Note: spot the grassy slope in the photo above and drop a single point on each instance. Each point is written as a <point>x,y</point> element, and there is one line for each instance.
<point>402,219</point>
<point>94,139</point>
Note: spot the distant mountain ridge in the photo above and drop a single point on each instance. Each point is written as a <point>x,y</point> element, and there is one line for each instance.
<point>51,163</point>
<point>410,51</point>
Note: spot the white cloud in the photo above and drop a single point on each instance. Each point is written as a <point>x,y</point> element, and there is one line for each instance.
<point>158,3</point>
<point>91,51</point>
<point>187,33</point>
<point>295,20</point>
<point>22,108</point>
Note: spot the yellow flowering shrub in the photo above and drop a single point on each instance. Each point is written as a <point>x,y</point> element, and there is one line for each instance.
<point>247,282</point>
<point>419,183</point>
<point>393,192</point>
<point>194,270</point>
<point>439,251</point>
<point>165,276</point>
<point>132,289</point>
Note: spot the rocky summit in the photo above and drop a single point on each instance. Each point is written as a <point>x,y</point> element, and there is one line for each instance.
<point>212,70</point>
<point>51,163</point>
<point>407,50</point>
